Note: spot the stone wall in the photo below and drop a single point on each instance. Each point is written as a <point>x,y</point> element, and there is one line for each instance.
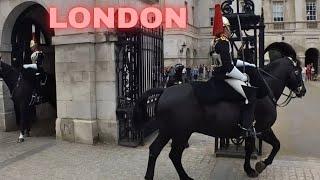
<point>85,78</point>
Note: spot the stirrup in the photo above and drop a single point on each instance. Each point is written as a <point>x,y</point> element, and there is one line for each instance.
<point>250,132</point>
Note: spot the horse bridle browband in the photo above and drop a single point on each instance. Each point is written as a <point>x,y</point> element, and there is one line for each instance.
<point>289,96</point>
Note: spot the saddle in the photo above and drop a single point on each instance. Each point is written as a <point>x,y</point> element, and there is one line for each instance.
<point>214,91</point>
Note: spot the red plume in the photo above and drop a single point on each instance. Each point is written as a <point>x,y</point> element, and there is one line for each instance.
<point>218,24</point>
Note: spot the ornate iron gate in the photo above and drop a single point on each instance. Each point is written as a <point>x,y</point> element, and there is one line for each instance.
<point>139,66</point>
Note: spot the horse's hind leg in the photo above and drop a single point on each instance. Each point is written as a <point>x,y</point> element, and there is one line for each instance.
<point>249,147</point>
<point>154,151</point>
<point>178,146</point>
<point>271,139</point>
<point>31,118</point>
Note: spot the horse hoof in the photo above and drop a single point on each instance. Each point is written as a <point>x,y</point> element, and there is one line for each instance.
<point>20,140</point>
<point>148,178</point>
<point>260,166</point>
<point>186,178</point>
<point>253,174</point>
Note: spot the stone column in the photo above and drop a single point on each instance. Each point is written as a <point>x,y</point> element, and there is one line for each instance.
<point>76,88</point>
<point>106,89</point>
<point>7,113</point>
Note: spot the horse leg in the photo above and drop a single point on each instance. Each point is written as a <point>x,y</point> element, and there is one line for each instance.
<point>154,151</point>
<point>178,146</point>
<point>249,147</point>
<point>25,113</point>
<point>32,115</point>
<point>22,125</point>
<point>271,139</point>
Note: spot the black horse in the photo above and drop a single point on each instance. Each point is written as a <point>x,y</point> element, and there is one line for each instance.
<point>21,85</point>
<point>179,114</point>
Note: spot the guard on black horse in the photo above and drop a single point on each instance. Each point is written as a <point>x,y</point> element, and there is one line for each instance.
<point>229,72</point>
<point>26,85</point>
<point>36,69</point>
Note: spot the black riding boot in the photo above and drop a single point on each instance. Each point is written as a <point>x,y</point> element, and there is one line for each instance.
<point>247,117</point>
<point>247,112</point>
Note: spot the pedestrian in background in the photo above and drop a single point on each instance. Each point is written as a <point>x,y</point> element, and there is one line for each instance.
<point>195,73</point>
<point>308,72</point>
<point>304,77</point>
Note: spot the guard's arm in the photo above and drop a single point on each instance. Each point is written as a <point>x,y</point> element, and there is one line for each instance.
<point>240,63</point>
<point>32,66</point>
<point>223,48</point>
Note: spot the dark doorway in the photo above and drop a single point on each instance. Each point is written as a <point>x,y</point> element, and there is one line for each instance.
<point>312,56</point>
<point>33,23</point>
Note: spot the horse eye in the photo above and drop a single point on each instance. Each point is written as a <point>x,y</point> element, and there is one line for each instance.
<point>296,72</point>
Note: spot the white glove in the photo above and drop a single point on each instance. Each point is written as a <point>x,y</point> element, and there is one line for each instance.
<point>32,66</point>
<point>240,63</point>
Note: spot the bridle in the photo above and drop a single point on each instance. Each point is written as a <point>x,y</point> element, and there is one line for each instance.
<point>289,96</point>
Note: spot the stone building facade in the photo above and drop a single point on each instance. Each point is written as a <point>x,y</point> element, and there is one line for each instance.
<point>83,61</point>
<point>295,22</point>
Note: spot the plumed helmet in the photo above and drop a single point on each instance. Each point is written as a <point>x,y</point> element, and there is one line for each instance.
<point>219,21</point>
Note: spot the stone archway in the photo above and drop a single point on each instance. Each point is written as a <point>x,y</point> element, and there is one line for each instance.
<point>27,21</point>
<point>312,56</point>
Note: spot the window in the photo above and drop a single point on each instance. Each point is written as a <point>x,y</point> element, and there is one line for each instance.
<point>242,6</point>
<point>277,11</point>
<point>311,10</point>
<point>211,15</point>
<point>193,16</point>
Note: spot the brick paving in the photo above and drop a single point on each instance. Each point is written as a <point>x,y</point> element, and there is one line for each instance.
<point>42,158</point>
<point>45,158</point>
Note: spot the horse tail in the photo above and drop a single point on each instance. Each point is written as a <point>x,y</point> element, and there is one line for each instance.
<point>144,111</point>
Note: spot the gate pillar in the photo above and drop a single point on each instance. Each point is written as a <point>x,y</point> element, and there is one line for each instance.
<point>7,113</point>
<point>76,88</point>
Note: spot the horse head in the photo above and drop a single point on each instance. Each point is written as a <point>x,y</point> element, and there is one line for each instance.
<point>282,50</point>
<point>294,78</point>
<point>5,69</point>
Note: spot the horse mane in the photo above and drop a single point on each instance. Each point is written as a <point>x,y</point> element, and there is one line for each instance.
<point>272,64</point>
<point>277,62</point>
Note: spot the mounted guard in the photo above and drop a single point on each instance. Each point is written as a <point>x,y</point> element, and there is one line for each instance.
<point>37,58</point>
<point>228,70</point>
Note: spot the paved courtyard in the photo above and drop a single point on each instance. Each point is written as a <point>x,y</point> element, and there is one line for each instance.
<point>40,158</point>
<point>45,158</point>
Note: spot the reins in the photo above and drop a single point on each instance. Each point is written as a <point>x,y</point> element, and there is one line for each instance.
<point>17,85</point>
<point>289,96</point>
